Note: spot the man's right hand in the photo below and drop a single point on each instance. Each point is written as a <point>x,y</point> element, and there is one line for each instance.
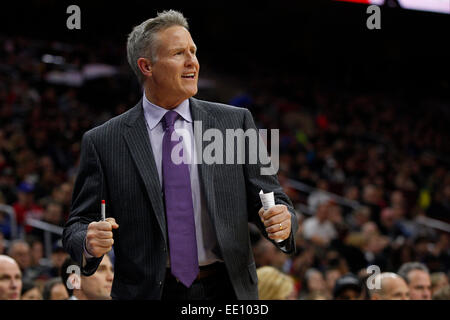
<point>99,237</point>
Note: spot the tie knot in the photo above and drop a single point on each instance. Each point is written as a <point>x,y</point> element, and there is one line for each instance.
<point>169,119</point>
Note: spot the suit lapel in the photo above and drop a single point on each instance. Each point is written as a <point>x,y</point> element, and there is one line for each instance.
<point>140,148</point>
<point>206,171</point>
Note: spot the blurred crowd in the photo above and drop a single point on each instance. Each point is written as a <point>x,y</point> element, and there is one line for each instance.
<point>384,153</point>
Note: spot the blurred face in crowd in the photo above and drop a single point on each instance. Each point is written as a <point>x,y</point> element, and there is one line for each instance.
<point>393,289</point>
<point>21,253</point>
<point>330,278</point>
<point>98,286</point>
<point>53,213</point>
<point>322,211</point>
<point>37,252</point>
<point>419,285</point>
<point>349,294</point>
<point>174,74</point>
<point>58,258</point>
<point>440,282</point>
<point>316,282</point>
<point>33,294</point>
<point>10,279</point>
<point>59,292</point>
<point>25,198</point>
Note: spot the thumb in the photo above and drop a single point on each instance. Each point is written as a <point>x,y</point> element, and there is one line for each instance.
<point>113,223</point>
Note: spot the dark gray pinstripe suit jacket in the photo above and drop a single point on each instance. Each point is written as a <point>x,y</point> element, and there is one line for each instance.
<point>117,165</point>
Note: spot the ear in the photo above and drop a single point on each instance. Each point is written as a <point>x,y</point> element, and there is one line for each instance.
<point>145,66</point>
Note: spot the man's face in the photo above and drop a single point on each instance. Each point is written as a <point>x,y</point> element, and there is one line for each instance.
<point>59,292</point>
<point>21,253</point>
<point>419,285</point>
<point>395,289</point>
<point>53,214</point>
<point>175,72</point>
<point>98,286</point>
<point>10,280</point>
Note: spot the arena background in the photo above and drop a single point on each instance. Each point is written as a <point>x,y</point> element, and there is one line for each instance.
<point>312,69</point>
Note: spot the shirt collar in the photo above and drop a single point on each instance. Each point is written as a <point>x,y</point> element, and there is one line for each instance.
<point>153,113</point>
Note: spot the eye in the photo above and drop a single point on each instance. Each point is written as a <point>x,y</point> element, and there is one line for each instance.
<point>179,53</point>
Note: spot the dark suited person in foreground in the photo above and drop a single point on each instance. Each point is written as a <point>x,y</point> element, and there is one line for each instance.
<point>179,230</point>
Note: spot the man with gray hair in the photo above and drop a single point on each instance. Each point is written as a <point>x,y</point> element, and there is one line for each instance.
<point>389,286</point>
<point>183,226</point>
<point>417,277</point>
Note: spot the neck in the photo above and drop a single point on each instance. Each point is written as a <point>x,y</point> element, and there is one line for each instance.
<point>80,295</point>
<point>163,102</point>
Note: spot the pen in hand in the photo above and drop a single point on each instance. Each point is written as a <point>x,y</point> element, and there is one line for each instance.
<point>103,210</point>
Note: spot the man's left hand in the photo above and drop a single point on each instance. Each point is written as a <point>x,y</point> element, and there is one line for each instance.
<point>277,221</point>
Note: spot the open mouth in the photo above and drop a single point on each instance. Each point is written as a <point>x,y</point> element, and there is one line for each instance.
<point>188,75</point>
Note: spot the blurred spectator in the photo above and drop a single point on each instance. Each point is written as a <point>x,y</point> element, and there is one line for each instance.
<point>348,287</point>
<point>442,294</point>
<point>40,268</point>
<point>418,279</point>
<point>274,285</point>
<point>438,280</point>
<point>95,287</point>
<point>266,254</point>
<point>319,229</point>
<point>391,287</point>
<point>57,259</point>
<point>7,183</point>
<point>53,214</point>
<point>26,207</point>
<point>54,289</point>
<point>331,275</point>
<point>10,279</point>
<point>19,250</point>
<point>314,283</point>
<point>31,291</point>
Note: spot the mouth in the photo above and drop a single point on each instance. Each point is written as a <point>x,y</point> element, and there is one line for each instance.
<point>190,75</point>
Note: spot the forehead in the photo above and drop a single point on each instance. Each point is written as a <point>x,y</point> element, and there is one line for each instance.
<point>392,284</point>
<point>106,261</point>
<point>419,276</point>
<point>7,267</point>
<point>175,36</point>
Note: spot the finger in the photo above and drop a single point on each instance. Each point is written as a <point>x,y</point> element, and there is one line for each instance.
<point>276,209</point>
<point>113,222</point>
<point>283,225</point>
<point>261,212</point>
<point>275,220</point>
<point>104,234</point>
<point>280,235</point>
<point>103,226</point>
<point>103,243</point>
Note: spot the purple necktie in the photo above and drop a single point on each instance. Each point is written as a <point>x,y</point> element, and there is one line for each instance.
<point>179,209</point>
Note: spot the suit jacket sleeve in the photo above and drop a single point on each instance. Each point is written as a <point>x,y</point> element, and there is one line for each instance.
<point>268,183</point>
<point>88,192</point>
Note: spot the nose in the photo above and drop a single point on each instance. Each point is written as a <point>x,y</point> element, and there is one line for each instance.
<point>110,276</point>
<point>14,284</point>
<point>191,59</point>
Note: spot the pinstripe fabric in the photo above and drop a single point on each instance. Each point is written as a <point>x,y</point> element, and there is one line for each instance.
<point>117,165</point>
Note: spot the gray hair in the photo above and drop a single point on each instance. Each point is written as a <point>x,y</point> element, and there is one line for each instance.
<point>142,40</point>
<point>407,267</point>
